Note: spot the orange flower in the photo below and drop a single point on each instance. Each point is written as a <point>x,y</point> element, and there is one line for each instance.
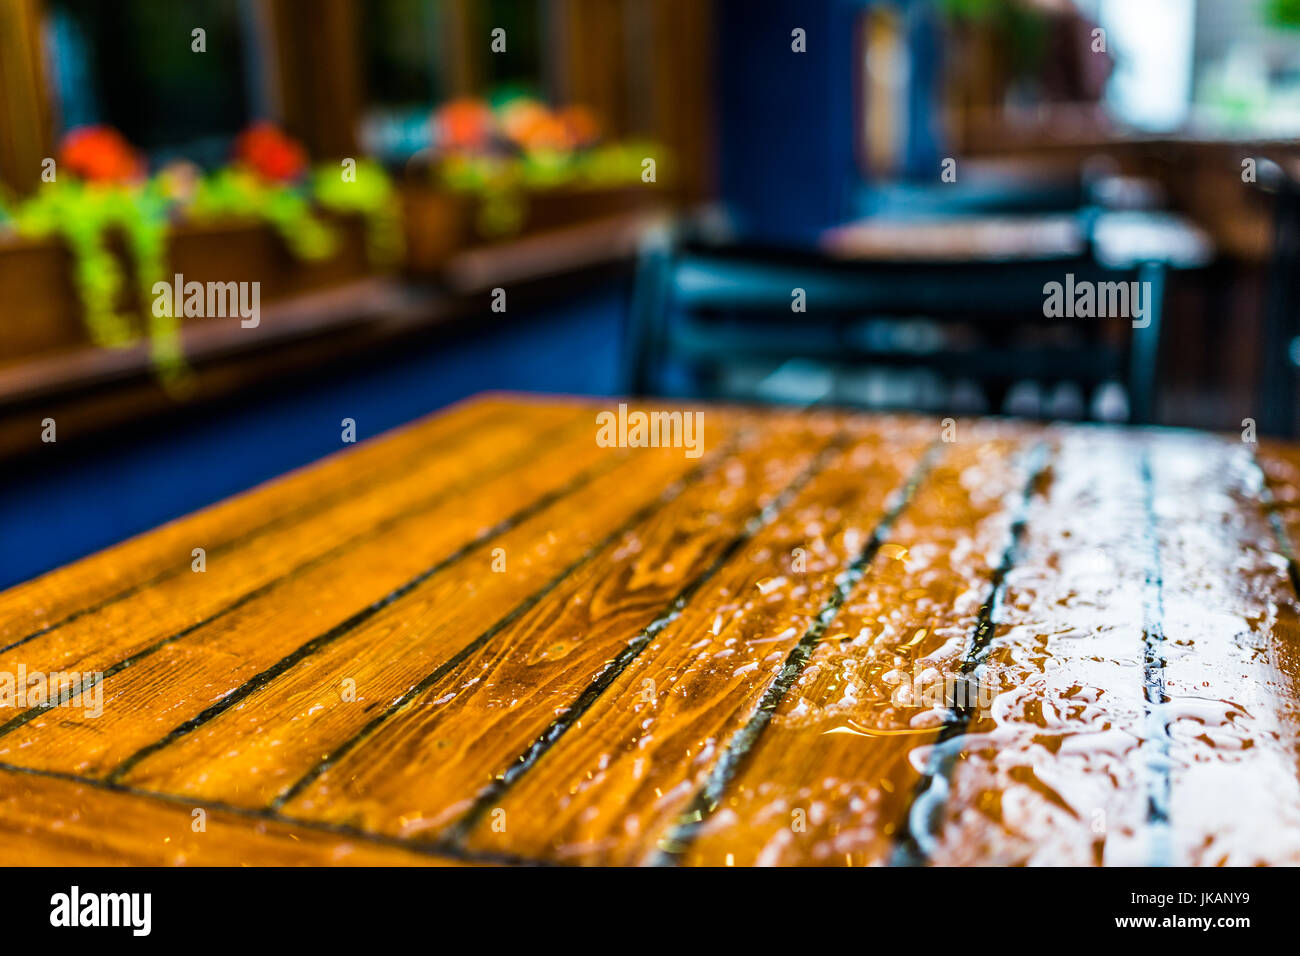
<point>270,153</point>
<point>581,124</point>
<point>463,124</point>
<point>100,154</point>
<point>520,117</point>
<point>534,127</point>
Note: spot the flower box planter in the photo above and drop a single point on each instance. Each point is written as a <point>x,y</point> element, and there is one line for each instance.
<point>43,314</point>
<point>558,208</point>
<point>244,252</point>
<point>441,223</point>
<point>436,223</point>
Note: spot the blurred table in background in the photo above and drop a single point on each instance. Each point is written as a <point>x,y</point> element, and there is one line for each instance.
<point>1119,239</point>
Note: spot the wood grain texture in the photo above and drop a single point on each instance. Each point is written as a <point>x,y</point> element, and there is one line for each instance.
<point>830,782</point>
<point>46,821</point>
<point>422,770</point>
<point>180,674</point>
<point>832,639</point>
<point>250,752</point>
<point>611,790</point>
<point>45,602</point>
<point>1067,656</point>
<point>1145,671</point>
<point>183,606</point>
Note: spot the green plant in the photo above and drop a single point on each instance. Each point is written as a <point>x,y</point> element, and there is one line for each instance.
<point>370,194</point>
<point>85,216</point>
<point>146,238</point>
<point>1024,28</point>
<point>971,9</point>
<point>503,183</point>
<point>1283,14</point>
<point>498,182</point>
<point>235,193</point>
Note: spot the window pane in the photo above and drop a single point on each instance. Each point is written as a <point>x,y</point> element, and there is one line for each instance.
<point>402,61</point>
<point>130,64</point>
<point>521,64</point>
<point>1152,40</point>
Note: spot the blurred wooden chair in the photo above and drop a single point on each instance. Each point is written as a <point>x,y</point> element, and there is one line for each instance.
<point>702,306</point>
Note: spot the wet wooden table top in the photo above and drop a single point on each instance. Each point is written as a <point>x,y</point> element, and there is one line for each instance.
<point>811,638</point>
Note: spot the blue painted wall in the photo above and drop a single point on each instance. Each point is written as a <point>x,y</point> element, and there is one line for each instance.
<point>787,137</point>
<point>786,167</point>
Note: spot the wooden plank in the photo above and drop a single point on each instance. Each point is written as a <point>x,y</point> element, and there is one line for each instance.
<point>829,781</point>
<point>47,821</point>
<point>186,602</point>
<point>1147,672</point>
<point>1231,659</point>
<point>71,363</point>
<point>26,132</point>
<point>424,767</point>
<point>46,601</point>
<point>293,716</point>
<point>609,790</point>
<point>1279,463</point>
<point>153,687</point>
<point>317,73</point>
<point>592,35</point>
<point>1053,770</point>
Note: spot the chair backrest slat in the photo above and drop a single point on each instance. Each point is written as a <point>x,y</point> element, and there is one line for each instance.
<point>938,289</point>
<point>711,304</point>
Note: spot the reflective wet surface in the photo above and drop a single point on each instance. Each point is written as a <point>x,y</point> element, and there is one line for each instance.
<point>833,640</point>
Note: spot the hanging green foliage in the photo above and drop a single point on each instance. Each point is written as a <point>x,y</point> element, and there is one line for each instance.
<point>502,183</point>
<point>103,199</point>
<point>364,189</point>
<point>83,215</point>
<point>86,217</point>
<point>236,193</point>
<point>502,148</point>
<point>146,240</point>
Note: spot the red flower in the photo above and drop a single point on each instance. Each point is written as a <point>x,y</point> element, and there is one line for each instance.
<point>464,124</point>
<point>270,153</point>
<point>100,154</point>
<point>581,125</point>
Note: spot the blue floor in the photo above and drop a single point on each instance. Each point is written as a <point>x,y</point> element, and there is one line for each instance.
<point>84,501</point>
